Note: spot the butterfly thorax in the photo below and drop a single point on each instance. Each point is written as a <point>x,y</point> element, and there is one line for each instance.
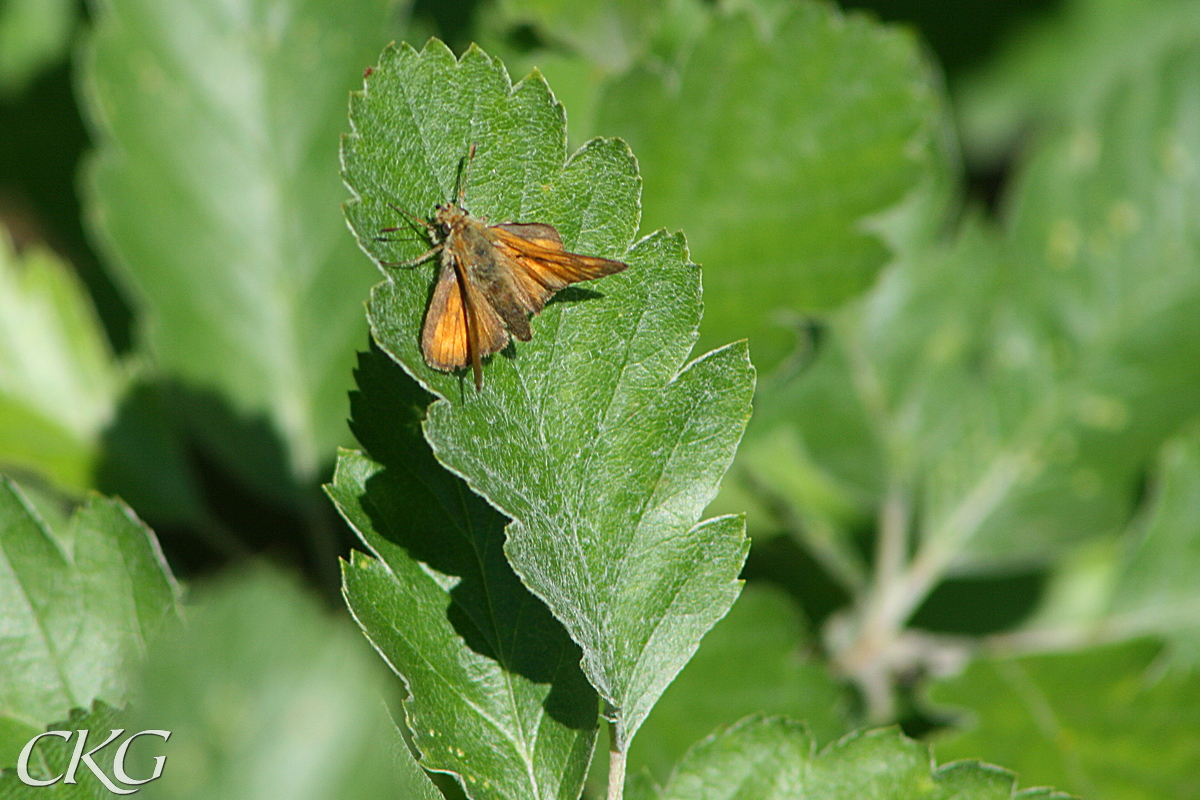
<point>467,245</point>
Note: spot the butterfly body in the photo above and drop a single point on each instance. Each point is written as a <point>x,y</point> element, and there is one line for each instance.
<point>491,279</point>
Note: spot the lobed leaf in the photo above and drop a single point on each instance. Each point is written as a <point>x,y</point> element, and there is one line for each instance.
<point>496,694</point>
<point>768,758</point>
<point>1102,722</point>
<point>595,438</point>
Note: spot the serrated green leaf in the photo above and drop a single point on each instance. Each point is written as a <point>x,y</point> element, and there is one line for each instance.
<point>59,383</point>
<point>79,609</point>
<point>752,661</point>
<point>51,757</point>
<point>577,83</point>
<point>774,148</point>
<point>496,694</point>
<point>214,194</point>
<point>266,696</point>
<point>768,758</point>
<point>1104,723</point>
<point>594,437</point>
<point>33,34</point>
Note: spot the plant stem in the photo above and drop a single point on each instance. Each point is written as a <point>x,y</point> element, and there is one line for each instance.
<point>893,537</point>
<point>616,765</point>
<point>899,586</point>
<point>879,627</point>
<point>939,550</point>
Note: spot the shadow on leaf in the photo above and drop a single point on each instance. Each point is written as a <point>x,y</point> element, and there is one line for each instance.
<point>417,505</point>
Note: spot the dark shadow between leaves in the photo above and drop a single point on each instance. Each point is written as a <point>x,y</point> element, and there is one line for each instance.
<point>215,485</point>
<point>417,505</point>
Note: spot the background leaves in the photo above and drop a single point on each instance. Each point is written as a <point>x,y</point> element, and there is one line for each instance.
<point>80,607</point>
<point>284,699</point>
<point>775,144</point>
<point>214,194</point>
<point>33,34</point>
<point>967,442</point>
<point>757,660</point>
<point>59,382</point>
<point>774,758</point>
<point>1105,722</point>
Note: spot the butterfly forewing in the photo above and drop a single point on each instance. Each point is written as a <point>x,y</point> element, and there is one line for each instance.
<point>539,266</point>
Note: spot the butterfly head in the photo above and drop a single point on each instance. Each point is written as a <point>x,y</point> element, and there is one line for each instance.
<point>449,215</point>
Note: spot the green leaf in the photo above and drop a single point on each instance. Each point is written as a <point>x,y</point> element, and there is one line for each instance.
<point>935,392</point>
<point>33,35</point>
<point>1015,385</point>
<point>773,758</point>
<point>610,35</point>
<point>51,757</point>
<point>1147,582</point>
<point>1059,69</point>
<point>1158,588</point>
<point>1104,238</point>
<point>79,608</point>
<point>214,194</point>
<point>753,661</point>
<point>496,694</point>
<point>595,438</point>
<point>266,696</point>
<point>59,383</point>
<point>779,147</point>
<point>578,83</point>
<point>1107,722</point>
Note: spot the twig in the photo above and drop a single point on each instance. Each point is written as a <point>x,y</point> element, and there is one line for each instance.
<point>616,765</point>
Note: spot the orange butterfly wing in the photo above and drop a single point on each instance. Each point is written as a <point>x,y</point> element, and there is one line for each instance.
<point>539,265</point>
<point>444,337</point>
<point>461,326</point>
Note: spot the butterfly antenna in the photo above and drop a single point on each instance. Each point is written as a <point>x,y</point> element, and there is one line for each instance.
<point>466,178</point>
<point>426,224</point>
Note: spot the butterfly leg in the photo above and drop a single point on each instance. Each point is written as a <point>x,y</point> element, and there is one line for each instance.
<point>412,262</point>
